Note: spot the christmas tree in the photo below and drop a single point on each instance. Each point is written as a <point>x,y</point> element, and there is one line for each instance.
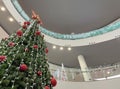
<point>23,61</point>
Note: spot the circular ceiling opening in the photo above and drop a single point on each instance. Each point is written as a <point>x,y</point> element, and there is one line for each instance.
<point>78,16</point>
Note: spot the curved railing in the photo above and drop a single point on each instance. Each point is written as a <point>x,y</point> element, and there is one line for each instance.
<point>100,31</point>
<point>62,40</point>
<point>75,75</point>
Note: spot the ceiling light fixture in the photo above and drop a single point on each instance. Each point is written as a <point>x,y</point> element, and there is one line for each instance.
<point>69,48</point>
<point>2,8</point>
<point>54,47</point>
<point>108,72</point>
<point>11,19</point>
<point>61,48</point>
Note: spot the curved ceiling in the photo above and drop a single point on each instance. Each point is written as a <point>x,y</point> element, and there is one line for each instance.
<point>78,16</point>
<point>4,21</point>
<point>95,55</point>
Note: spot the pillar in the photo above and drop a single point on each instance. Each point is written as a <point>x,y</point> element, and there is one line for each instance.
<point>84,68</point>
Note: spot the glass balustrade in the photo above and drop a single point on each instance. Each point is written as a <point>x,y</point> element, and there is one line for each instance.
<point>75,75</point>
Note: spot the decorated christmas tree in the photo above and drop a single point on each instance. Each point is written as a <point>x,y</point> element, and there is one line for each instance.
<point>23,61</point>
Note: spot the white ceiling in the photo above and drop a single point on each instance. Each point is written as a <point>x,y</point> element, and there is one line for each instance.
<point>78,16</point>
<point>4,21</point>
<point>65,16</point>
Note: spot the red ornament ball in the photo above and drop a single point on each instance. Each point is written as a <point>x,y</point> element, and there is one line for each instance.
<point>11,44</point>
<point>19,33</point>
<point>46,87</point>
<point>39,73</point>
<point>28,23</point>
<point>24,26</point>
<point>46,50</point>
<point>25,23</point>
<point>2,58</point>
<point>37,33</point>
<point>35,46</point>
<point>53,82</point>
<point>23,67</point>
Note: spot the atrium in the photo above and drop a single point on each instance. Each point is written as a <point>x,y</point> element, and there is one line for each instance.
<point>82,38</point>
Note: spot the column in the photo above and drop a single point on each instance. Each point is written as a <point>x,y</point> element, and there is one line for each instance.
<point>84,68</point>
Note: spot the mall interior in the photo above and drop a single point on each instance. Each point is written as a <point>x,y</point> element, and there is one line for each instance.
<point>82,37</point>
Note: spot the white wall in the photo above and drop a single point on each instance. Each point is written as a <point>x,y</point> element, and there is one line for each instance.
<point>106,84</point>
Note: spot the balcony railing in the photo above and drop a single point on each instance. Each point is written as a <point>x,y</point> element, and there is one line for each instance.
<point>100,73</point>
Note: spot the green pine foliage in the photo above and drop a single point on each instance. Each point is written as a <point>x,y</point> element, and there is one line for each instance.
<point>27,48</point>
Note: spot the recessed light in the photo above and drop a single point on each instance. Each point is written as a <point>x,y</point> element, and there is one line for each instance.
<point>61,48</point>
<point>69,48</point>
<point>11,19</point>
<point>108,72</point>
<point>54,47</point>
<point>2,8</point>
